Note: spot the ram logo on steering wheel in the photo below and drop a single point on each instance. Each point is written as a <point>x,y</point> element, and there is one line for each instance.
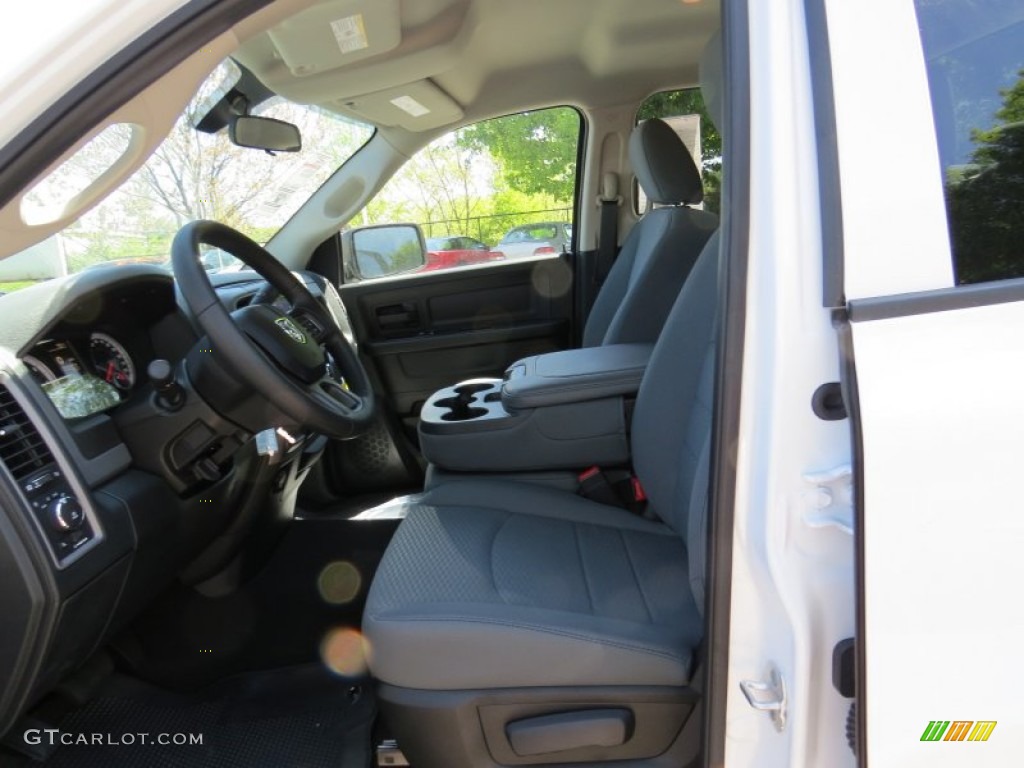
<point>288,325</point>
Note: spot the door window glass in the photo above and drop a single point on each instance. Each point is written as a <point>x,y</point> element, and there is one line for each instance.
<point>498,190</point>
<point>974,50</point>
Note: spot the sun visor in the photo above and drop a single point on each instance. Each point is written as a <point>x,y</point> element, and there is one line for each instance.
<point>335,34</point>
<point>418,106</point>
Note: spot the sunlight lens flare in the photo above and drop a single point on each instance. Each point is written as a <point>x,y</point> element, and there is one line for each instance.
<point>345,652</point>
<point>339,583</point>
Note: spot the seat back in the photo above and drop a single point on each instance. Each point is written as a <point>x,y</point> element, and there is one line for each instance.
<point>672,418</point>
<point>672,421</point>
<point>660,250</point>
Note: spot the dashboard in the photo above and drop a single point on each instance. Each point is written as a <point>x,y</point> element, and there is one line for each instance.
<point>90,530</point>
<point>108,492</point>
<point>93,355</point>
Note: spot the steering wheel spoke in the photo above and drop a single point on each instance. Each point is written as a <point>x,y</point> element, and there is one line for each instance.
<point>310,322</point>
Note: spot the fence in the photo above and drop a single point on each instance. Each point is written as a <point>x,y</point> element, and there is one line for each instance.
<point>490,229</point>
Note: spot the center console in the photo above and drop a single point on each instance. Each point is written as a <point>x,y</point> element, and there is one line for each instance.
<point>561,410</point>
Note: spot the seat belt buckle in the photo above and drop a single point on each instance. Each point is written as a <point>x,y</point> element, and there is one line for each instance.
<point>618,488</point>
<point>595,486</point>
<point>639,495</point>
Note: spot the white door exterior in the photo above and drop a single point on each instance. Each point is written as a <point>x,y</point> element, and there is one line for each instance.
<point>923,564</point>
<point>936,376</point>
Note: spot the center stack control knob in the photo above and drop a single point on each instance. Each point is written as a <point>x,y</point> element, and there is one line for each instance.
<point>66,513</point>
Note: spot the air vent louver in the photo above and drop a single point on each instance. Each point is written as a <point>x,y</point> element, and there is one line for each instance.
<point>22,449</point>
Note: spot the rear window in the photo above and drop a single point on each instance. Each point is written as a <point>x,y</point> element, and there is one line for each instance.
<point>974,50</point>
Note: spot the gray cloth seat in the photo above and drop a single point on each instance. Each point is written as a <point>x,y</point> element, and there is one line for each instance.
<point>498,584</point>
<point>660,249</point>
<point>485,579</point>
<point>504,614</point>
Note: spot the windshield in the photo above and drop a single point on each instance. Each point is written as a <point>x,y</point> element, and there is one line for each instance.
<point>191,175</point>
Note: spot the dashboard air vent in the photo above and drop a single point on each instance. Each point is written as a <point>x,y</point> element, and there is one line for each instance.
<point>22,448</point>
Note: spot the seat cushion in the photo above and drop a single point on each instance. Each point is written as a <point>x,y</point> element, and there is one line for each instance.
<point>495,584</point>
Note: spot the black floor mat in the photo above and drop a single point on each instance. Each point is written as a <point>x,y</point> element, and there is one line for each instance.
<point>294,718</point>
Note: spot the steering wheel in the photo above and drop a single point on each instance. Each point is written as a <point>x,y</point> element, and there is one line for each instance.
<point>304,361</point>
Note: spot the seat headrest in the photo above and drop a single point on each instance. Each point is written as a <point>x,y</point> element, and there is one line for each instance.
<point>663,165</point>
<point>712,79</point>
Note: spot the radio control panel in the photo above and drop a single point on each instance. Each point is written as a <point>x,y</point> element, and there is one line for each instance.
<point>60,514</point>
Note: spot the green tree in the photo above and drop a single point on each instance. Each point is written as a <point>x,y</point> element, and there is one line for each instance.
<point>986,199</point>
<point>485,179</point>
<point>444,183</point>
<point>535,151</point>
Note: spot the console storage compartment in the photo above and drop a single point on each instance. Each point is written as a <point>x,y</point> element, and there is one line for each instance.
<point>559,410</point>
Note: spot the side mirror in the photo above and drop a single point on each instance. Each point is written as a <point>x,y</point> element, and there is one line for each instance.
<point>264,133</point>
<point>380,251</point>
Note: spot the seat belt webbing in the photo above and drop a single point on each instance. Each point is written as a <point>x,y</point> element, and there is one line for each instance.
<point>607,245</point>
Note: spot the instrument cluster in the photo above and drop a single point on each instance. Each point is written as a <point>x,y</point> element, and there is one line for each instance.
<point>97,354</point>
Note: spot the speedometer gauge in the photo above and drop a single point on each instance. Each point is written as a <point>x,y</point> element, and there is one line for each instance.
<point>111,362</point>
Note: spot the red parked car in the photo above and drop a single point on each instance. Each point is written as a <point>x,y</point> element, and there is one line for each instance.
<point>457,251</point>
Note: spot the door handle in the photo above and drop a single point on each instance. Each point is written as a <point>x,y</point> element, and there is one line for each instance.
<point>394,316</point>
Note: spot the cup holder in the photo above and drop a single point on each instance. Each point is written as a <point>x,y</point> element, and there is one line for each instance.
<point>463,414</point>
<point>467,401</point>
<point>459,409</point>
<point>467,390</point>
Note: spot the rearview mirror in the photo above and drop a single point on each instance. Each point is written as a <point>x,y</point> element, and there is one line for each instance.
<point>264,133</point>
<point>385,250</point>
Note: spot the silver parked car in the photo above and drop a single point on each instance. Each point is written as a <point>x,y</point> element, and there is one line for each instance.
<point>546,237</point>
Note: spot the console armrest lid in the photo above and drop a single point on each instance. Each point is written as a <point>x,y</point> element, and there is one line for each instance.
<point>575,375</point>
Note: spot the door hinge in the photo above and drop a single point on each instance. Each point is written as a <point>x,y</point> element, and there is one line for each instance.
<point>829,499</point>
<point>768,696</point>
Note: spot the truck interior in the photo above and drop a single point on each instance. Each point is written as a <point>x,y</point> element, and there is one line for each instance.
<point>322,515</point>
